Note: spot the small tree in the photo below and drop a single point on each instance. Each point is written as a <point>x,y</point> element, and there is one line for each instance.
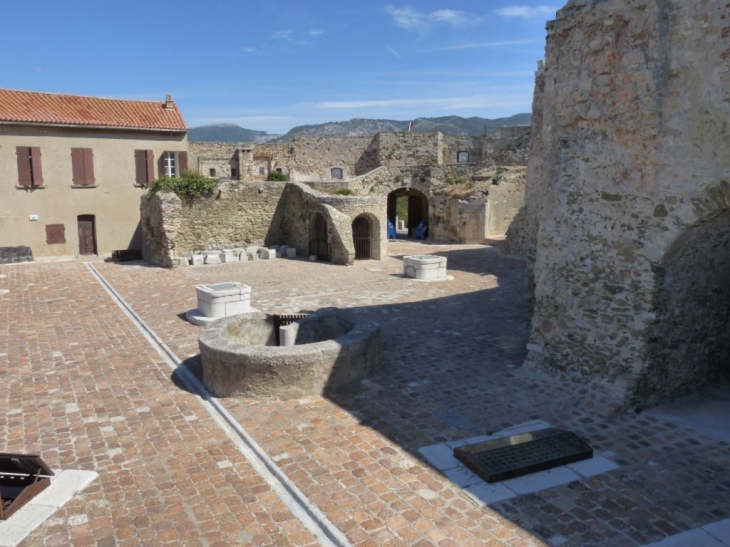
<point>277,175</point>
<point>191,185</point>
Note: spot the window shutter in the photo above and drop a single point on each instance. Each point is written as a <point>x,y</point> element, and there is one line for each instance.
<point>55,233</point>
<point>77,166</point>
<point>183,159</point>
<point>35,158</point>
<point>89,166</point>
<point>150,166</point>
<point>144,167</point>
<point>140,167</point>
<point>24,178</point>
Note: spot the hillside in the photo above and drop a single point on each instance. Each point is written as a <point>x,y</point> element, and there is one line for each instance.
<point>449,125</point>
<point>227,132</point>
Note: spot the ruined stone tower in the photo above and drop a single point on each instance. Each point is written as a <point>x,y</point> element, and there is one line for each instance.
<point>628,216</point>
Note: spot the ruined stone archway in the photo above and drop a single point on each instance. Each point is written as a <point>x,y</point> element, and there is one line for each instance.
<point>319,237</point>
<point>417,207</point>
<point>689,346</point>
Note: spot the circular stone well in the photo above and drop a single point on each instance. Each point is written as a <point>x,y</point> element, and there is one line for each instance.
<point>240,356</point>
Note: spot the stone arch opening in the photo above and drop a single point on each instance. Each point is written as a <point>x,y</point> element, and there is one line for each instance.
<point>416,208</point>
<point>319,237</point>
<point>690,344</point>
<point>362,237</point>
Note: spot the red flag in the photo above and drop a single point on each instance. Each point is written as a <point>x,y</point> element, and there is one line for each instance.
<point>410,125</point>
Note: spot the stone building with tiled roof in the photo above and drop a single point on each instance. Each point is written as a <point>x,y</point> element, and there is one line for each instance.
<point>74,168</point>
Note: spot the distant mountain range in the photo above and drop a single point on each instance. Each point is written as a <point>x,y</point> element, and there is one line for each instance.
<point>449,125</point>
<point>227,132</point>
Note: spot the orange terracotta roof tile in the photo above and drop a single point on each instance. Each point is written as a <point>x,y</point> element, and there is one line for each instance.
<point>58,109</point>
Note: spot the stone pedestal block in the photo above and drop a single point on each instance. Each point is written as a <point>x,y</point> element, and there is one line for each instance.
<point>229,256</point>
<point>291,252</point>
<point>220,300</point>
<point>425,267</point>
<point>198,260</point>
<point>213,258</point>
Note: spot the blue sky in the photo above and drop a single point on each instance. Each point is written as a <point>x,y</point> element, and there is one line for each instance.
<point>274,64</point>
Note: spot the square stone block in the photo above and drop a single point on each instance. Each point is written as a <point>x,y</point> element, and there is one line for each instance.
<point>291,252</point>
<point>228,256</point>
<point>252,256</point>
<point>213,258</point>
<point>424,267</point>
<point>198,260</point>
<point>223,299</point>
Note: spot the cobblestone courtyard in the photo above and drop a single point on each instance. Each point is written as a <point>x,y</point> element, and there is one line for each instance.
<point>84,387</point>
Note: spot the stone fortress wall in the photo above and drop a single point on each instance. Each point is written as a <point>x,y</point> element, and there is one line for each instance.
<point>462,204</point>
<point>627,216</point>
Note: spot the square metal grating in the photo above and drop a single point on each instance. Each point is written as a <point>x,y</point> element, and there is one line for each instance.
<point>522,454</point>
<point>22,477</point>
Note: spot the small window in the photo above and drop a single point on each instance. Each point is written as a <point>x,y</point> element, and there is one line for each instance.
<point>278,169</point>
<point>173,164</point>
<point>211,172</point>
<point>29,166</point>
<point>169,164</point>
<point>143,162</point>
<point>462,157</point>
<point>55,234</point>
<point>234,173</point>
<point>82,166</point>
<point>262,171</point>
<point>336,173</point>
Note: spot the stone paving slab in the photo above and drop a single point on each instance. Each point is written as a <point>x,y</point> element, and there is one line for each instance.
<point>451,371</point>
<point>452,355</point>
<point>83,388</point>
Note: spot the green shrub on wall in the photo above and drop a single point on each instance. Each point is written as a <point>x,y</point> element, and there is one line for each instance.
<point>344,192</point>
<point>191,185</point>
<point>277,175</point>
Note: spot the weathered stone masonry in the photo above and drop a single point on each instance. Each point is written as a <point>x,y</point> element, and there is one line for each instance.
<point>627,220</point>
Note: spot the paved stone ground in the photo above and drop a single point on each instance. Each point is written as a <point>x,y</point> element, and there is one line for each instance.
<point>452,352</point>
<point>83,388</point>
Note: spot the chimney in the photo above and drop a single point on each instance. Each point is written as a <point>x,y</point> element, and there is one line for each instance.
<point>168,102</point>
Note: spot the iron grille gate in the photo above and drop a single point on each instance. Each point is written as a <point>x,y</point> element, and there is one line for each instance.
<point>361,237</point>
<point>318,240</point>
<point>284,320</point>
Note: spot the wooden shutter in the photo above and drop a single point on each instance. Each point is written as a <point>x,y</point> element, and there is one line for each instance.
<point>35,159</point>
<point>55,233</point>
<point>150,166</point>
<point>89,166</point>
<point>77,166</point>
<point>144,166</point>
<point>182,158</point>
<point>82,163</point>
<point>24,176</point>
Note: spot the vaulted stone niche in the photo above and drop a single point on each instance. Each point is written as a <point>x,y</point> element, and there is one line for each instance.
<point>690,345</point>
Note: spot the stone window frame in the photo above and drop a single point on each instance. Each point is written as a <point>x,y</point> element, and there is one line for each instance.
<point>335,171</point>
<point>211,172</point>
<point>462,156</point>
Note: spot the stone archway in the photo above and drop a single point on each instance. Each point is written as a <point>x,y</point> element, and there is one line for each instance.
<point>319,237</point>
<point>689,346</point>
<point>417,208</point>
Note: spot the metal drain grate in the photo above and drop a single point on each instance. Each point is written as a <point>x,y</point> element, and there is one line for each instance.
<point>22,477</point>
<point>522,454</point>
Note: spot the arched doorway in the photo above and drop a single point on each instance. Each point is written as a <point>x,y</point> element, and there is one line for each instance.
<point>318,238</point>
<point>362,236</point>
<point>87,234</point>
<point>408,205</point>
<point>689,344</point>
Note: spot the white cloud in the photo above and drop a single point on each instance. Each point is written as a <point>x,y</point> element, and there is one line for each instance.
<point>452,17</point>
<point>527,12</point>
<point>485,44</point>
<point>315,32</point>
<point>251,49</point>
<point>282,35</point>
<point>451,103</point>
<point>410,19</point>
